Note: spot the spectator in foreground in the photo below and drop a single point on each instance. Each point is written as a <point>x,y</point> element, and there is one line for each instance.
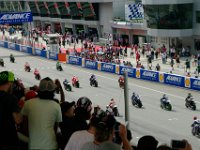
<point>104,133</point>
<point>67,115</point>
<point>79,121</point>
<point>9,113</point>
<point>43,114</point>
<point>79,138</point>
<point>147,143</point>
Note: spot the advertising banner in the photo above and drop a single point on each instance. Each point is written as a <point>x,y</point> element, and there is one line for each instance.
<point>41,53</point>
<point>12,46</point>
<point>16,18</point>
<point>195,84</point>
<point>2,44</point>
<point>108,67</point>
<point>6,44</point>
<point>17,47</point>
<point>75,60</point>
<point>131,71</point>
<point>26,49</point>
<point>91,64</point>
<point>38,52</point>
<point>174,80</point>
<point>149,75</point>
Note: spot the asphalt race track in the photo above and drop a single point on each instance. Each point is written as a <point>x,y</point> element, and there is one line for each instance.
<point>150,120</point>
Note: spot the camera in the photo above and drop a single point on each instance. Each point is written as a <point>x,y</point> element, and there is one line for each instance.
<point>178,144</point>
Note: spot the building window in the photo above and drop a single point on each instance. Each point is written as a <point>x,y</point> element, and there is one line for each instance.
<point>198,16</point>
<point>177,16</point>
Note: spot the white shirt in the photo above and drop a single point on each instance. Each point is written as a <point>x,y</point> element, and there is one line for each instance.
<point>42,116</point>
<point>78,139</point>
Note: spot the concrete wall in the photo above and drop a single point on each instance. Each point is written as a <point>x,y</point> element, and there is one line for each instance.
<point>105,16</point>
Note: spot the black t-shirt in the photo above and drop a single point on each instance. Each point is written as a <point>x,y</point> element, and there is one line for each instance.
<point>8,133</point>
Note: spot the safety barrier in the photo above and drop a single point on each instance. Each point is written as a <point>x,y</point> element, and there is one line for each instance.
<point>155,76</point>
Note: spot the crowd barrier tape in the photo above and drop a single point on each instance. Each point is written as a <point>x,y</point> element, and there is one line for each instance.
<point>26,49</point>
<point>161,77</point>
<point>75,60</point>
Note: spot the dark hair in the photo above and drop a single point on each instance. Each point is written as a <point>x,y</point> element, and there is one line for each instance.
<point>101,133</point>
<point>17,90</point>
<point>82,113</point>
<point>46,95</point>
<point>164,147</point>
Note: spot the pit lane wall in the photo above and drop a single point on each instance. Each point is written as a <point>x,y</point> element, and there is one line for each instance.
<point>154,76</point>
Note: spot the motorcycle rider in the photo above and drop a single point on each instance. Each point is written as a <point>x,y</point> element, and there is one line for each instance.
<point>164,99</point>
<point>26,65</point>
<point>112,103</point>
<point>189,98</point>
<point>135,96</point>
<point>58,65</point>
<point>1,61</point>
<point>65,82</point>
<point>74,80</point>
<point>36,72</point>
<point>92,78</point>
<point>121,81</point>
<point>196,124</point>
<point>12,57</point>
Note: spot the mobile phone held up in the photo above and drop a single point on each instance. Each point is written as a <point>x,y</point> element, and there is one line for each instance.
<point>178,144</point>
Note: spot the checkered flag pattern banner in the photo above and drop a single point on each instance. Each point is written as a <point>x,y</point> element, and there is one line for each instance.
<point>134,11</point>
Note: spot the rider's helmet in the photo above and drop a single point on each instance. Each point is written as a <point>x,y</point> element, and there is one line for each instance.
<point>189,95</point>
<point>112,100</point>
<point>195,118</point>
<point>92,76</point>
<point>84,103</point>
<point>133,93</point>
<point>164,96</point>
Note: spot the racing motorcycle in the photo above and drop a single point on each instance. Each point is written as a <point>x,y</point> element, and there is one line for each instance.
<point>59,68</point>
<point>93,83</point>
<point>67,86</point>
<point>2,63</point>
<point>12,59</point>
<point>37,76</point>
<point>136,101</point>
<point>121,84</point>
<point>166,105</point>
<point>76,83</point>
<point>112,110</point>
<point>27,68</point>
<point>190,104</point>
<point>196,130</point>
